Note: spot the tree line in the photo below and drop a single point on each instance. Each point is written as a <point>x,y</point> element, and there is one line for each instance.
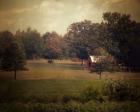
<point>117,35</point>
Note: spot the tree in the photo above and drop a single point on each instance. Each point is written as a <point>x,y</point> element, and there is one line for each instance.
<point>52,46</point>
<point>32,43</point>
<point>122,30</point>
<point>5,39</point>
<point>100,66</point>
<point>13,57</point>
<point>82,38</point>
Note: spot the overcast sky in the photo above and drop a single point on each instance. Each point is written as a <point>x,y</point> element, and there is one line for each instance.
<point>49,15</point>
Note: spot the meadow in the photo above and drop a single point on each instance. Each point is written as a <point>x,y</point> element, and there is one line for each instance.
<point>62,69</point>
<point>58,87</point>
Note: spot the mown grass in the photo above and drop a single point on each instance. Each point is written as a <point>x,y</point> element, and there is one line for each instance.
<point>29,90</point>
<point>57,87</point>
<point>62,69</point>
<point>26,89</point>
<point>58,96</point>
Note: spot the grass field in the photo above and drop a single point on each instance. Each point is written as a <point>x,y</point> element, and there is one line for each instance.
<point>63,69</point>
<point>48,83</point>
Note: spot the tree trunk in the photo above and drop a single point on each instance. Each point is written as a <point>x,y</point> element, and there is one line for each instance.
<point>15,73</point>
<point>15,70</point>
<point>100,75</point>
<point>82,62</point>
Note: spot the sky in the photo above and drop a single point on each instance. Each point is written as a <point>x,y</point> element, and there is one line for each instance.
<point>57,15</point>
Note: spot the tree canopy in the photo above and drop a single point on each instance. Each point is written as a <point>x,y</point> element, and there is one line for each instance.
<point>32,42</point>
<point>124,31</point>
<point>82,37</point>
<point>12,55</point>
<point>117,35</point>
<point>52,45</point>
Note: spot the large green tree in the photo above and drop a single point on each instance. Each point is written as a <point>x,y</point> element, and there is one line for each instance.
<point>5,39</point>
<point>83,38</point>
<point>122,30</point>
<point>12,55</point>
<point>52,45</point>
<point>32,43</point>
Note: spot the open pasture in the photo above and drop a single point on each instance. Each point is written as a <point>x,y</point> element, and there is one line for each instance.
<point>46,87</point>
<point>63,69</point>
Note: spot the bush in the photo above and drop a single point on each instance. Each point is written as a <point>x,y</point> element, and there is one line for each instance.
<point>120,91</point>
<point>71,107</point>
<point>69,98</point>
<point>13,107</point>
<point>88,94</point>
<point>91,94</point>
<point>119,107</point>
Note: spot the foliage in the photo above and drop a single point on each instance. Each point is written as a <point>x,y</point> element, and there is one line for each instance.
<point>120,91</point>
<point>32,43</point>
<point>123,32</point>
<point>61,96</point>
<point>91,93</point>
<point>82,38</point>
<point>52,45</point>
<point>98,67</point>
<point>103,64</point>
<point>13,57</point>
<point>6,38</point>
<point>118,35</point>
<point>71,107</point>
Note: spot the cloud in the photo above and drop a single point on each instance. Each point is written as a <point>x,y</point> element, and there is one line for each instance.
<point>48,15</point>
<point>131,7</point>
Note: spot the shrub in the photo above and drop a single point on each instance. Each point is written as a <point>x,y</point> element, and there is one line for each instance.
<point>91,94</point>
<point>13,107</point>
<point>71,107</point>
<point>119,107</point>
<point>88,94</point>
<point>68,98</point>
<point>120,91</point>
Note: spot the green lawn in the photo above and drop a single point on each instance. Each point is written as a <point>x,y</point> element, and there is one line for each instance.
<point>62,69</point>
<point>44,88</point>
<point>44,84</point>
<point>26,89</point>
<point>63,77</point>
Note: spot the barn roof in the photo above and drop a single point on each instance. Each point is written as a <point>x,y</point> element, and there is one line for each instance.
<point>95,59</point>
